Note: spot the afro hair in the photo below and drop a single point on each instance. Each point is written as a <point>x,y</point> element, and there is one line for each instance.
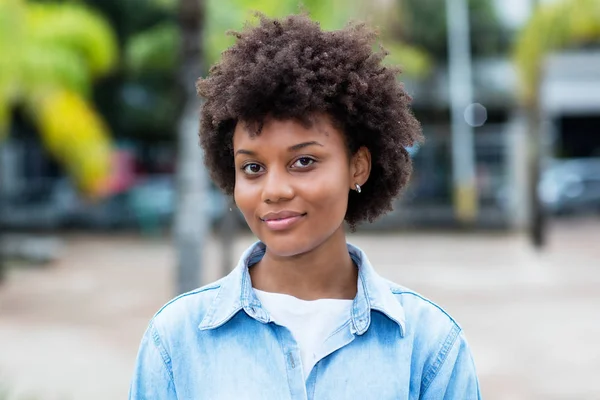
<point>291,69</point>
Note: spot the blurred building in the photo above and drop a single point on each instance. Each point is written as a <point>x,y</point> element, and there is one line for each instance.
<point>570,107</point>
<point>428,200</point>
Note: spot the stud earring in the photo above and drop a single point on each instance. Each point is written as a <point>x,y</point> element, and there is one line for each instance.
<point>358,189</point>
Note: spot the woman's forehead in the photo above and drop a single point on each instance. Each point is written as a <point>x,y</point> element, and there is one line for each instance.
<point>284,131</point>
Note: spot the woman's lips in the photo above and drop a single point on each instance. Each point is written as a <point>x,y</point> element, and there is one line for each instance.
<point>278,223</point>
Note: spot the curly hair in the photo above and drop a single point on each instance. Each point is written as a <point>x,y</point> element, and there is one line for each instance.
<point>290,69</point>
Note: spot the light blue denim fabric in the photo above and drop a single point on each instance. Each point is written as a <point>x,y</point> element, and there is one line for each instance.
<point>217,342</point>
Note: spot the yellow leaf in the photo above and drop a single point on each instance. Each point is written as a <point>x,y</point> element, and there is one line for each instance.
<point>414,62</point>
<point>552,27</point>
<point>76,135</point>
<point>75,27</point>
<point>4,118</point>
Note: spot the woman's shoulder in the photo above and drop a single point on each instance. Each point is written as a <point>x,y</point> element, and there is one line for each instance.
<point>187,309</point>
<point>436,337</point>
<point>421,313</point>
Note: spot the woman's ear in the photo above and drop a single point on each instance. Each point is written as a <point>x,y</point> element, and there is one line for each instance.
<point>360,167</point>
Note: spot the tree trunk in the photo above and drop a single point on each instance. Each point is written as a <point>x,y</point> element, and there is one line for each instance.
<point>465,196</point>
<point>191,221</point>
<point>537,217</point>
<point>2,257</point>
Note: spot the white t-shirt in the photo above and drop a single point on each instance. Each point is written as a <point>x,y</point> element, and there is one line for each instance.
<point>310,322</point>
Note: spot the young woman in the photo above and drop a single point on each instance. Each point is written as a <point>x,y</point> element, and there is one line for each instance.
<point>306,129</point>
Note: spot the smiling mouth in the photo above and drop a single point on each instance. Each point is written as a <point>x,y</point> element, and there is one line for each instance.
<point>278,224</point>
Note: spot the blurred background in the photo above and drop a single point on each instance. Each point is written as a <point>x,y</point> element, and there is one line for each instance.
<point>106,211</point>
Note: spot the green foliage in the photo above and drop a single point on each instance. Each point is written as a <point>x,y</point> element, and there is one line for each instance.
<point>422,23</point>
<point>166,5</point>
<point>75,28</point>
<point>332,15</point>
<point>414,62</point>
<point>49,46</point>
<point>568,23</point>
<point>45,67</point>
<point>10,32</point>
<point>144,50</point>
<point>54,51</point>
<point>155,49</point>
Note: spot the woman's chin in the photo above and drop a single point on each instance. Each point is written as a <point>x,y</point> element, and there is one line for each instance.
<point>284,247</point>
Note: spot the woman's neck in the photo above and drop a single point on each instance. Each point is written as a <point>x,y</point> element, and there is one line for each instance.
<point>325,272</point>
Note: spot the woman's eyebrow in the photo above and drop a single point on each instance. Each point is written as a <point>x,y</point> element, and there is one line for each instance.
<point>295,147</point>
<point>303,145</point>
<point>243,151</point>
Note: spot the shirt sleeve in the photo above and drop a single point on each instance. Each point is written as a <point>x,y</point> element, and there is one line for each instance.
<point>152,378</point>
<point>456,377</point>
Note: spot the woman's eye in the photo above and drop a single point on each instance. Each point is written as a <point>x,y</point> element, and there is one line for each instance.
<point>252,169</point>
<point>303,162</point>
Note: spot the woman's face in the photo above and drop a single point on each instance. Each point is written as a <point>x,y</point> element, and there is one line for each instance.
<point>292,182</point>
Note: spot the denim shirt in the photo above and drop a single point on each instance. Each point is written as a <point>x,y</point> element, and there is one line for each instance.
<point>218,342</point>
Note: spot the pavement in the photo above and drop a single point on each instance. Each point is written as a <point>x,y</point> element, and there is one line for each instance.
<point>70,330</point>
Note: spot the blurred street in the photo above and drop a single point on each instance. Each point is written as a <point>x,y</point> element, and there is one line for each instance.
<point>71,330</point>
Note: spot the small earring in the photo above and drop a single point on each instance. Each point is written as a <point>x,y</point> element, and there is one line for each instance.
<point>358,189</point>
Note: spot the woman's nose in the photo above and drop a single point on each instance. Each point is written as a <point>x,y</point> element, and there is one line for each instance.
<point>277,186</point>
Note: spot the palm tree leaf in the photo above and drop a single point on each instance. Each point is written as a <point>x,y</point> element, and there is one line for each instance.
<point>4,117</point>
<point>10,34</point>
<point>74,27</point>
<point>47,67</point>
<point>154,49</point>
<point>553,27</point>
<point>76,136</point>
<point>413,61</point>
<point>331,15</point>
<point>167,5</point>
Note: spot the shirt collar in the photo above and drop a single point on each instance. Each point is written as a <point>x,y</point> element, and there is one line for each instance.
<point>236,294</point>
